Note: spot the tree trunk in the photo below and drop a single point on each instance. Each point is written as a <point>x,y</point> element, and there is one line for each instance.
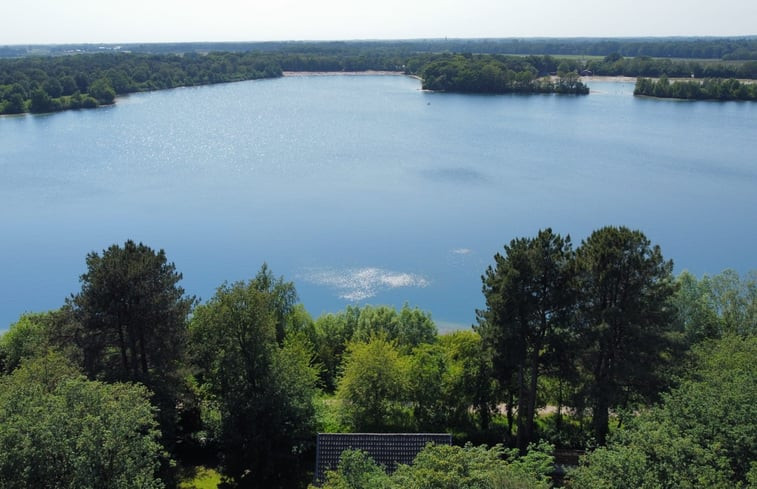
<point>510,419</point>
<point>142,352</point>
<point>531,413</point>
<point>558,420</point>
<point>122,346</point>
<point>601,418</point>
<point>521,439</point>
<point>134,374</point>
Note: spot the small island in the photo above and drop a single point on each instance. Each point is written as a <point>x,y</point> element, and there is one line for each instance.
<point>498,74</point>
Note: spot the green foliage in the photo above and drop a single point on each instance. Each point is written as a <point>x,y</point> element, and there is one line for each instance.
<point>415,327</point>
<point>696,317</point>
<point>612,468</point>
<point>529,296</point>
<point>333,332</point>
<point>718,305</point>
<point>27,338</point>
<point>644,66</point>
<point>703,435</point>
<point>493,74</point>
<point>283,297</point>
<point>102,91</point>
<point>624,310</point>
<point>40,101</point>
<point>263,392</point>
<point>128,323</point>
<point>373,386</point>
<point>51,83</point>
<point>708,89</point>
<point>300,322</point>
<point>409,328</point>
<point>131,314</point>
<point>357,470</point>
<point>14,104</point>
<point>426,388</point>
<point>58,429</point>
<point>468,383</point>
<point>434,387</point>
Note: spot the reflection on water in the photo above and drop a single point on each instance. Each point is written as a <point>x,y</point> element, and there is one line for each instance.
<point>363,283</point>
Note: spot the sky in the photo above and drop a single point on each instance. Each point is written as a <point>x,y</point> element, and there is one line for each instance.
<point>108,21</point>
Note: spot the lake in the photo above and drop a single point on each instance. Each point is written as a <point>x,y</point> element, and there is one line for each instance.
<point>365,189</point>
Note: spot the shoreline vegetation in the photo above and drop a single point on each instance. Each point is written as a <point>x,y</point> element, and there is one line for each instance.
<point>709,89</point>
<point>83,79</point>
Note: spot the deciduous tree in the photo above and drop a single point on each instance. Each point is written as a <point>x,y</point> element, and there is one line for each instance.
<point>373,386</point>
<point>263,392</point>
<point>58,429</point>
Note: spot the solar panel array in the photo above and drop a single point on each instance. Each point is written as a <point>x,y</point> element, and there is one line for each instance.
<point>387,449</point>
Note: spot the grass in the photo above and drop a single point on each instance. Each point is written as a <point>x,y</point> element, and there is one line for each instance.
<point>200,478</point>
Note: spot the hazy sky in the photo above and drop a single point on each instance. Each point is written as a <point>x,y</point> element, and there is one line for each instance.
<point>108,21</point>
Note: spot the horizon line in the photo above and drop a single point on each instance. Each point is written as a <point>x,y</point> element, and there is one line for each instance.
<point>408,39</point>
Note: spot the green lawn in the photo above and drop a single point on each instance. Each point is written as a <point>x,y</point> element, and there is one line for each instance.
<point>200,478</point>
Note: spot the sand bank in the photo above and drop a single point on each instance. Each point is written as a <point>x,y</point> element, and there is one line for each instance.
<point>348,73</point>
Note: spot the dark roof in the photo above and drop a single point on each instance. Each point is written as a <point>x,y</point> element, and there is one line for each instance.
<point>387,449</point>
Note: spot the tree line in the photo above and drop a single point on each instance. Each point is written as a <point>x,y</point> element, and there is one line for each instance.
<point>598,348</point>
<point>615,64</point>
<point>710,89</point>
<point>727,48</point>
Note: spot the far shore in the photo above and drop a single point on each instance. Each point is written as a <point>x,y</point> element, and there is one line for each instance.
<point>632,79</point>
<point>348,73</point>
<point>584,79</point>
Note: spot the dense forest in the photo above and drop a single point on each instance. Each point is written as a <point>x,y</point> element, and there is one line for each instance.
<point>597,348</point>
<point>710,89</point>
<point>738,48</point>
<point>86,77</point>
<point>48,84</point>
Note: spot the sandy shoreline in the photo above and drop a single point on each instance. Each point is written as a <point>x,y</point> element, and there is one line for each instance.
<point>614,79</point>
<point>340,73</point>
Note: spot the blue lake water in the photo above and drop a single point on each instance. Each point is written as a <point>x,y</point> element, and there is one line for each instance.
<point>366,189</point>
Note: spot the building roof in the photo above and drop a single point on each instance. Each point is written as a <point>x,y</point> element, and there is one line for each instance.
<point>387,449</point>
